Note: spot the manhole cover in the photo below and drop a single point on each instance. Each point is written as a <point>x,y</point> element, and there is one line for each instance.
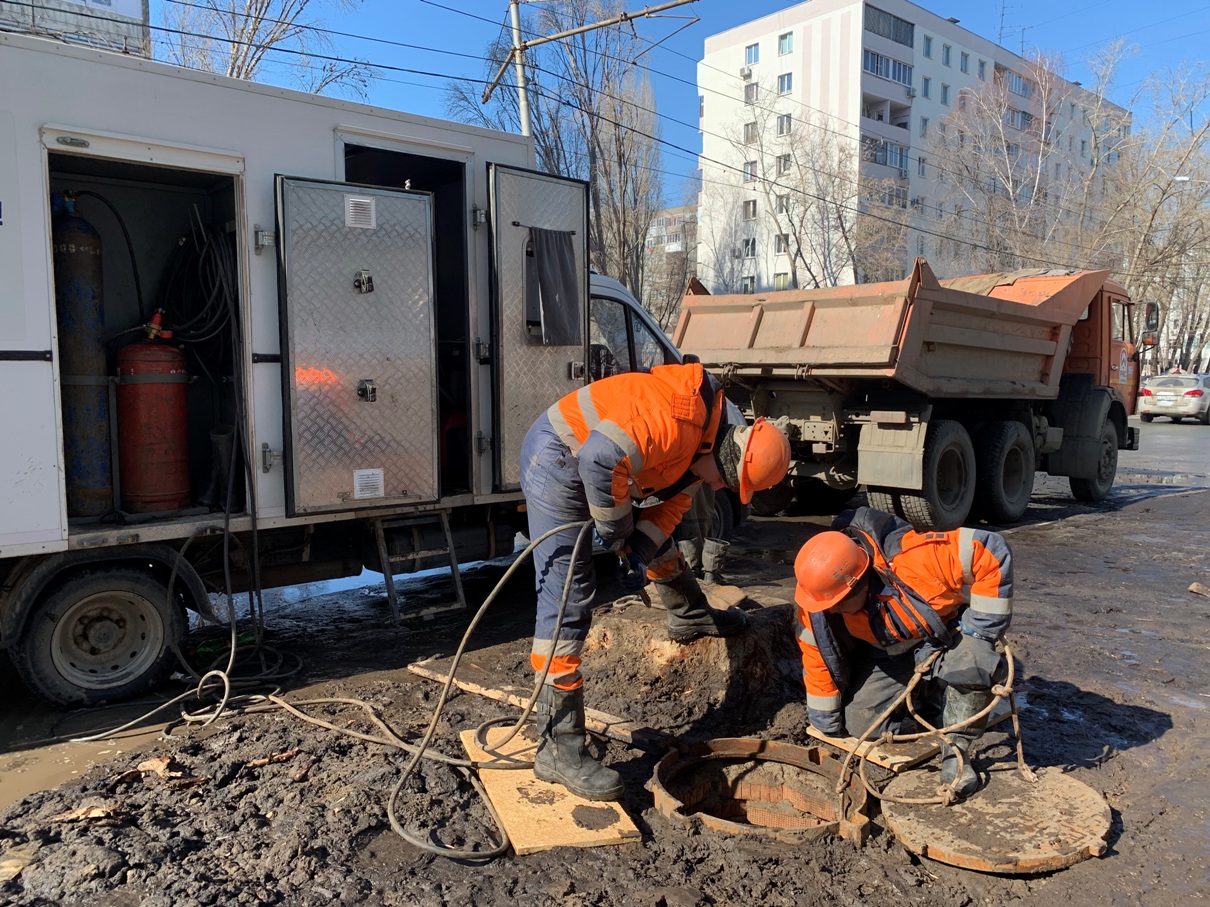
<point>1010,826</point>
<point>759,787</point>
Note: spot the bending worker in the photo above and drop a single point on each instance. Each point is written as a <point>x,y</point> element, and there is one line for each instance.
<point>875,598</point>
<point>593,455</point>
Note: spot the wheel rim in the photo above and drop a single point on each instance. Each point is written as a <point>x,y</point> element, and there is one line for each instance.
<point>1108,462</point>
<point>951,478</point>
<point>1013,480</point>
<point>107,640</point>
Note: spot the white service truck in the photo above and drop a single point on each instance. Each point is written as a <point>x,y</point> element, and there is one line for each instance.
<point>251,335</point>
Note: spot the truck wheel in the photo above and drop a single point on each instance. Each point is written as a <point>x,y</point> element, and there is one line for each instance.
<point>99,636</point>
<point>887,500</point>
<point>1097,488</point>
<point>1145,417</point>
<point>949,479</point>
<point>1004,471</point>
<point>772,501</point>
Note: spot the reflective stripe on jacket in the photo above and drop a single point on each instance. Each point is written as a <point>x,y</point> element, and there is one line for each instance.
<point>635,435</point>
<point>923,583</point>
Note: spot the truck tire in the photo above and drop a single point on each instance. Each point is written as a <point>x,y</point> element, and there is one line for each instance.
<point>772,501</point>
<point>1097,488</point>
<point>99,637</point>
<point>949,480</point>
<point>887,500</point>
<point>1004,471</point>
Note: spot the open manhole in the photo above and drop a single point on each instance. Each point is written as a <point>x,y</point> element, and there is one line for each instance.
<point>759,787</point>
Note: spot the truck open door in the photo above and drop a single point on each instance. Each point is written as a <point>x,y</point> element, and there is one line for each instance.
<point>540,301</point>
<point>358,346</point>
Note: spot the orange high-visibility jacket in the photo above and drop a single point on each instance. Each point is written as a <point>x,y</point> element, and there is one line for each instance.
<point>924,583</point>
<point>634,436</point>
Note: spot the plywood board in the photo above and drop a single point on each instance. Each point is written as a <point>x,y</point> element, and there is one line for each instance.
<point>538,816</point>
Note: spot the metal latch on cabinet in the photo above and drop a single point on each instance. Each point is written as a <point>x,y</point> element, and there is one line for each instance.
<point>483,443</point>
<point>261,238</point>
<point>363,282</point>
<point>367,390</point>
<point>268,457</point>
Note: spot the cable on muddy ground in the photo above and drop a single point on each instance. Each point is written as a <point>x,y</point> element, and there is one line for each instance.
<point>945,793</point>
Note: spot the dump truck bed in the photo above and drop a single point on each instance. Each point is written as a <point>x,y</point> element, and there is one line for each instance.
<point>994,335</point>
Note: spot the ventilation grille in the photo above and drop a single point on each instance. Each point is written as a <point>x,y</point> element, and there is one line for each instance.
<point>360,211</point>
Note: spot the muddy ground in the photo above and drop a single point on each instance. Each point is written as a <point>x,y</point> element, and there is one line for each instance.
<point>1114,673</point>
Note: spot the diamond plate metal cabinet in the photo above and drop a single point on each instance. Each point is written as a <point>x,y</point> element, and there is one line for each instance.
<point>358,337</point>
<point>530,375</point>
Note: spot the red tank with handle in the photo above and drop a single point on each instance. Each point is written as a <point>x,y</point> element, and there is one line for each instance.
<point>153,427</point>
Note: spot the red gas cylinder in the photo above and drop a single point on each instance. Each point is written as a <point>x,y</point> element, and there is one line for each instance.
<point>153,427</point>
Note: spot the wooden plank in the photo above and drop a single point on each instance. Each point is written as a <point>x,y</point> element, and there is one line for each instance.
<point>537,815</point>
<point>897,757</point>
<point>474,679</point>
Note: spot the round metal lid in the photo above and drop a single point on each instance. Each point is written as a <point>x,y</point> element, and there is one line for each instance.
<point>1009,826</point>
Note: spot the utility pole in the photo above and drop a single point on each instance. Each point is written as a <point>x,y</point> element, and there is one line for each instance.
<point>516,55</point>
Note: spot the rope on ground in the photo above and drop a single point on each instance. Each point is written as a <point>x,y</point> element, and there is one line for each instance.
<point>946,793</point>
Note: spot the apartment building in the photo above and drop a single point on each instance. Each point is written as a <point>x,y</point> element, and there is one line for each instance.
<point>833,107</point>
<point>120,25</point>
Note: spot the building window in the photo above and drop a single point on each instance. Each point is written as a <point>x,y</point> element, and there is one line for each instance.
<point>962,100</point>
<point>750,209</point>
<point>749,171</point>
<point>928,46</point>
<point>886,67</point>
<point>785,44</point>
<point>1018,84</point>
<point>945,95</point>
<point>783,164</point>
<point>1071,111</point>
<point>752,54</point>
<point>781,280</point>
<point>1083,147</point>
<point>781,243</point>
<point>921,163</point>
<point>877,151</point>
<point>945,55</point>
<point>983,70</point>
<point>750,92</point>
<point>749,133</point>
<point>784,124</point>
<point>880,22</point>
<point>926,87</point>
<point>782,206</point>
<point>924,127</point>
<point>747,284</point>
<point>785,83</point>
<point>964,61</point>
<point>1018,119</point>
<point>750,247</point>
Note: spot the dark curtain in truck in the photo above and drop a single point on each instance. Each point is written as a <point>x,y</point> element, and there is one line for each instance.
<point>557,287</point>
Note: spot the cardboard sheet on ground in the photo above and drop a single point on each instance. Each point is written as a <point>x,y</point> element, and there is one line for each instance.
<point>537,815</point>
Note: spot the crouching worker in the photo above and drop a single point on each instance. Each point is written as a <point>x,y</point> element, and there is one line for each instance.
<point>592,455</point>
<point>875,598</point>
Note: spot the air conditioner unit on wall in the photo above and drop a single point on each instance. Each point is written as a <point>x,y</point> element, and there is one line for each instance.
<point>745,72</point>
<point>911,92</point>
<point>903,174</point>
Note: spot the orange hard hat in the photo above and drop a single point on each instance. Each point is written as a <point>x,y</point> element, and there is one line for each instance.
<point>764,459</point>
<point>827,569</point>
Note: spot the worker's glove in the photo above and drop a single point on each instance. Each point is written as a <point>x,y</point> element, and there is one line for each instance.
<point>922,652</point>
<point>973,662</point>
<point>632,571</point>
<point>828,721</point>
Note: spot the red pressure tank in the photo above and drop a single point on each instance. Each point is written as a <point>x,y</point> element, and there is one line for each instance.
<point>153,427</point>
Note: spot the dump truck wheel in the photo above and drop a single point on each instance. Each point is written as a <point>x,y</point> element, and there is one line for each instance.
<point>1097,488</point>
<point>98,637</point>
<point>1004,471</point>
<point>949,479</point>
<point>887,500</point>
<point>772,501</point>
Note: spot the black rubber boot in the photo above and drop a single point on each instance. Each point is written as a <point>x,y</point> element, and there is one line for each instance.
<point>961,704</point>
<point>714,554</point>
<point>562,757</point>
<point>222,449</point>
<point>690,614</point>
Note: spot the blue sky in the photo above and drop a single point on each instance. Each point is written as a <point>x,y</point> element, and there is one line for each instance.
<point>449,35</point>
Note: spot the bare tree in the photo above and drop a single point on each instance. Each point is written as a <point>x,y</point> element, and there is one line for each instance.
<point>593,116</point>
<point>237,37</point>
<point>670,263</point>
<point>721,229</point>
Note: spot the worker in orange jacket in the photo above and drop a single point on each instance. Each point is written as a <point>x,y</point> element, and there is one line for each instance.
<point>595,454</point>
<point>875,598</point>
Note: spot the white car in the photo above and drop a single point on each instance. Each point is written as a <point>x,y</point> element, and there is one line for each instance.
<point>1177,397</point>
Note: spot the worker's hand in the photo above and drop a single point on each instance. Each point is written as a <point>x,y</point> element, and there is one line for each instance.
<point>632,571</point>
<point>972,662</point>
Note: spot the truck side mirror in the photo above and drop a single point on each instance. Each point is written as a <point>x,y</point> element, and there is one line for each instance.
<point>1148,340</point>
<point>1151,322</point>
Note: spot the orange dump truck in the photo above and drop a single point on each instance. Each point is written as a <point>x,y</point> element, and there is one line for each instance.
<point>940,397</point>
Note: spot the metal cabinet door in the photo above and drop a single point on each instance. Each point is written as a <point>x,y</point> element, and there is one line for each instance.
<point>358,346</point>
<point>530,375</point>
